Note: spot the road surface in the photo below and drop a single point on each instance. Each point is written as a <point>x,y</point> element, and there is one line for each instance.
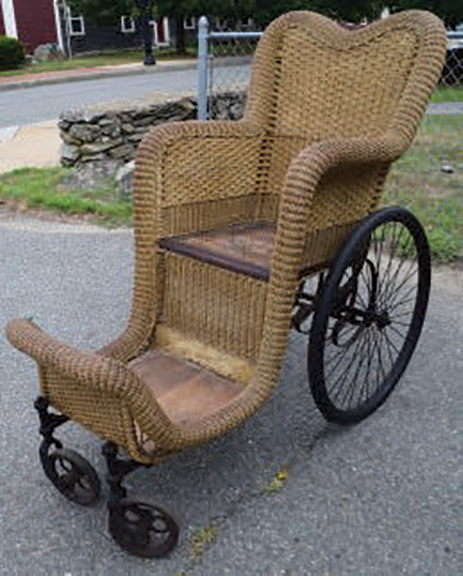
<point>39,103</point>
<point>384,497</point>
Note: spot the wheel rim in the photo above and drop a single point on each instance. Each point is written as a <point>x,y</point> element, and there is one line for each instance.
<point>143,529</point>
<point>370,316</point>
<point>71,474</point>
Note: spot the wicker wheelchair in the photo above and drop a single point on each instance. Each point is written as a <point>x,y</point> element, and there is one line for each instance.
<point>233,223</point>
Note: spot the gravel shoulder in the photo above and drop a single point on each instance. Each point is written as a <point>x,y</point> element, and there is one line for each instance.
<point>384,497</point>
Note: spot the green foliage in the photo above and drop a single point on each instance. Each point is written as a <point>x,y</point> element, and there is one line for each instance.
<point>451,11</point>
<point>353,11</point>
<point>105,11</point>
<point>277,482</point>
<point>202,538</point>
<point>448,94</point>
<point>12,54</point>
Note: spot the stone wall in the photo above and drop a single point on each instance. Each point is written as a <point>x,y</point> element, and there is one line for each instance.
<point>111,133</point>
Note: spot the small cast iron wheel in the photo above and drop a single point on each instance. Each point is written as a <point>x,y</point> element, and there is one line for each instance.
<point>142,529</point>
<point>369,316</point>
<point>71,474</point>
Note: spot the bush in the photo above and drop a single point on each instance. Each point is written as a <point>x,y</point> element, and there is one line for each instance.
<point>12,54</point>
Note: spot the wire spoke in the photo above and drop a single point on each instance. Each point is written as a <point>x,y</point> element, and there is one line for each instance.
<point>344,374</point>
<point>354,379</point>
<point>367,339</point>
<point>367,371</point>
<point>393,294</point>
<point>388,348</point>
<point>390,341</point>
<point>352,361</point>
<point>403,302</point>
<point>397,331</point>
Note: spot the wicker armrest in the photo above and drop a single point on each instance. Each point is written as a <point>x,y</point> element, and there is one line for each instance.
<point>302,179</point>
<point>90,370</point>
<point>108,376</point>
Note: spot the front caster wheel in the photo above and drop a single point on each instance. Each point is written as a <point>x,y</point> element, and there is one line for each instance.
<point>71,474</point>
<point>142,529</point>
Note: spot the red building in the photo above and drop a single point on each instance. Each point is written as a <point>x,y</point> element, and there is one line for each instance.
<point>35,25</point>
<point>36,22</point>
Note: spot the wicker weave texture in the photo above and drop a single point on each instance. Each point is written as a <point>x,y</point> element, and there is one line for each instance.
<point>328,112</point>
<point>220,308</point>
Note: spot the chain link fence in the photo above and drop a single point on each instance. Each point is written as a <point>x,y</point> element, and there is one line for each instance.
<point>225,60</point>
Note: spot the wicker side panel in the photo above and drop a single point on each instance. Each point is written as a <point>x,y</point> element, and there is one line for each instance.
<point>201,216</point>
<point>323,245</point>
<point>215,306</point>
<point>103,415</point>
<point>199,169</point>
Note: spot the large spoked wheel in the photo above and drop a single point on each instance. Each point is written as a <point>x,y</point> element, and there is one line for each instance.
<point>71,474</point>
<point>142,529</point>
<point>369,315</point>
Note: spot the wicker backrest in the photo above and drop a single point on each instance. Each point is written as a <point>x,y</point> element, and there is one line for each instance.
<point>314,80</point>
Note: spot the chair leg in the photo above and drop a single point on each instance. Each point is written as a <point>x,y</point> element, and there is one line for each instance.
<point>139,528</point>
<point>67,470</point>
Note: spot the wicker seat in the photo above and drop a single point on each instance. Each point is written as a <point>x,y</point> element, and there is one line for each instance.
<point>227,215</point>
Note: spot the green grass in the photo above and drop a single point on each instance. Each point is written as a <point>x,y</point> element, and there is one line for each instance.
<point>436,198</point>
<point>447,94</point>
<point>42,188</point>
<point>202,538</point>
<point>276,484</point>
<point>107,59</point>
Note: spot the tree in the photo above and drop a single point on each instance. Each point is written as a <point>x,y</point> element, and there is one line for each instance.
<point>103,11</point>
<point>108,11</point>
<point>352,11</point>
<point>451,11</point>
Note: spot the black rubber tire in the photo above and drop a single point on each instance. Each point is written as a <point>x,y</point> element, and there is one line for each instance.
<point>131,524</point>
<point>359,238</point>
<point>78,481</point>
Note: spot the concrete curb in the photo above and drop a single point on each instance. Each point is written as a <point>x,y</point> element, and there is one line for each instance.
<point>98,76</point>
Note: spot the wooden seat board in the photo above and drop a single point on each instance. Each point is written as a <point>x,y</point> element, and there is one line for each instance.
<point>246,249</point>
<point>185,391</point>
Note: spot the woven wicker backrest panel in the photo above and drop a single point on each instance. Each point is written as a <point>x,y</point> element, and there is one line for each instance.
<point>315,80</point>
<point>351,89</point>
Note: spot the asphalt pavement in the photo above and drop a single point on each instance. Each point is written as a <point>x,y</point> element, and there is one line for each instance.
<point>384,497</point>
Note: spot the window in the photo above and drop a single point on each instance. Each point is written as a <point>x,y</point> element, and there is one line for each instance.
<point>127,24</point>
<point>76,24</point>
<point>189,23</point>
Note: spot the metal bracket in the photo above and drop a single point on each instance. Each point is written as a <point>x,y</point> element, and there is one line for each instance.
<point>306,304</point>
<point>48,421</point>
<point>118,468</point>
